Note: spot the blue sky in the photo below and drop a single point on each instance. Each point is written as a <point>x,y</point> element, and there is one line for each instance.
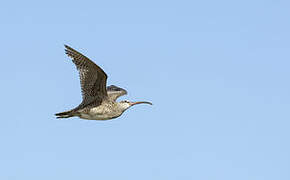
<point>216,71</point>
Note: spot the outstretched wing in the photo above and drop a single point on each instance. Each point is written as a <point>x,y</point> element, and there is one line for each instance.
<point>92,78</point>
<point>114,92</point>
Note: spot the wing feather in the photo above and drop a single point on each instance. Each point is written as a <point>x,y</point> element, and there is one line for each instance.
<point>92,78</point>
<point>115,92</point>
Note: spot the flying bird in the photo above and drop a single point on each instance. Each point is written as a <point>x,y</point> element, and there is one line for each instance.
<point>98,101</point>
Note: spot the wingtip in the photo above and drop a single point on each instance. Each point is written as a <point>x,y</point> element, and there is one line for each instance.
<point>68,49</point>
<point>66,46</point>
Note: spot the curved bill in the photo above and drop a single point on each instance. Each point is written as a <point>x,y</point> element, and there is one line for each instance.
<point>140,102</point>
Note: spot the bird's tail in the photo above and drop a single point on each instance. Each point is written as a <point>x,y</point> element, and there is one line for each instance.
<point>66,114</point>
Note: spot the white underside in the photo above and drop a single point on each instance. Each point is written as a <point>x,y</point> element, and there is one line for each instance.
<point>98,113</point>
<point>95,117</point>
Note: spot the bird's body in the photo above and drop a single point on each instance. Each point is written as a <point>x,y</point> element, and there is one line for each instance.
<point>99,101</point>
<point>105,111</point>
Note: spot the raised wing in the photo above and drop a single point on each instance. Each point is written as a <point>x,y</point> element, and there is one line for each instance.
<point>92,78</point>
<point>114,92</point>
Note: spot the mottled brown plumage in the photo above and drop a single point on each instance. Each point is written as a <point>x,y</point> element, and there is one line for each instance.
<point>99,101</point>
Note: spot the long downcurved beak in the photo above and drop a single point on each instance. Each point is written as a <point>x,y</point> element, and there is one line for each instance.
<point>140,102</point>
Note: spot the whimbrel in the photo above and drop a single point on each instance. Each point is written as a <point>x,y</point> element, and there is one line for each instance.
<point>99,102</point>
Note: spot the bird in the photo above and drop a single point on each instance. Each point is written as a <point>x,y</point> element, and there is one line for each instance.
<point>98,101</point>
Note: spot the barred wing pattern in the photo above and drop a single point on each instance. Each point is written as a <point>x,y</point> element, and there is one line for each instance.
<point>92,78</point>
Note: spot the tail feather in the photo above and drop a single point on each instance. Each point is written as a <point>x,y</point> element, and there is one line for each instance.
<point>66,114</point>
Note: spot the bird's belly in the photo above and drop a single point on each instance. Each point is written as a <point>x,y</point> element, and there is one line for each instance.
<point>99,114</point>
<point>95,117</point>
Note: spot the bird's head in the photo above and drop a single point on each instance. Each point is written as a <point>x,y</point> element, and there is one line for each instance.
<point>126,104</point>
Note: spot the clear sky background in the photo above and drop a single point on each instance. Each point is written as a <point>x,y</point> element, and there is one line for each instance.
<point>216,71</point>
